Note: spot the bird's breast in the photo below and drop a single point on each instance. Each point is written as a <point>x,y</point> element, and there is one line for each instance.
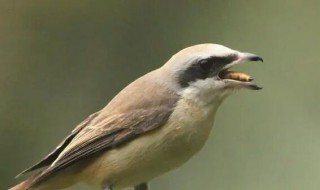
<point>189,127</point>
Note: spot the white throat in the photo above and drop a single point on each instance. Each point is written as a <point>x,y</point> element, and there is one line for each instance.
<point>207,94</point>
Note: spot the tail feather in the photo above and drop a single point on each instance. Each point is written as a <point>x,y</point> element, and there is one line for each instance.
<point>25,185</point>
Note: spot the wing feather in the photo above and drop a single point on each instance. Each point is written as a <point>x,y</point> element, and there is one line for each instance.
<point>99,138</point>
<point>52,156</point>
<point>133,112</point>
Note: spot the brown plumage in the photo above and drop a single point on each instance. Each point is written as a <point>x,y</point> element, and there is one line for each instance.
<point>118,123</point>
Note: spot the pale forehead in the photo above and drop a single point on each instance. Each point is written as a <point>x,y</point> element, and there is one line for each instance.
<point>186,56</point>
<point>204,50</point>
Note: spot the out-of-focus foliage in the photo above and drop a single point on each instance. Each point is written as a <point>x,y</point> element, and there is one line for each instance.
<point>62,60</point>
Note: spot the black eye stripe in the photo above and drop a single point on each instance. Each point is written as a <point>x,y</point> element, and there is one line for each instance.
<point>205,64</point>
<point>223,60</point>
<point>205,68</point>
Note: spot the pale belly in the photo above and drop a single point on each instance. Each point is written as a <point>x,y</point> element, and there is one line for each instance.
<point>152,154</point>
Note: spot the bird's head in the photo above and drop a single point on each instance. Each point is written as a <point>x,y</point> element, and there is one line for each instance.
<point>204,69</point>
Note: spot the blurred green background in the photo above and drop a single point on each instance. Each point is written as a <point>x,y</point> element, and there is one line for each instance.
<point>62,60</point>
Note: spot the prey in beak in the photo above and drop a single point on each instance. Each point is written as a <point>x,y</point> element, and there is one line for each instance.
<point>239,79</point>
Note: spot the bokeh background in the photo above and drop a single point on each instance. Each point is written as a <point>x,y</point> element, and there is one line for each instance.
<point>62,60</point>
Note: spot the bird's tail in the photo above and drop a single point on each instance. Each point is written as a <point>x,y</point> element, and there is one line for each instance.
<point>26,184</point>
<point>22,186</point>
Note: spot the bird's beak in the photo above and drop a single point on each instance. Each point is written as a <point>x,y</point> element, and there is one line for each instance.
<point>244,57</point>
<point>236,79</point>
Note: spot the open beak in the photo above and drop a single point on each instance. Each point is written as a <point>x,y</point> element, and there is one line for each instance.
<point>238,79</point>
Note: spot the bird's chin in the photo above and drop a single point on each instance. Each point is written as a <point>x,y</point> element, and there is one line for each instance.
<point>237,80</point>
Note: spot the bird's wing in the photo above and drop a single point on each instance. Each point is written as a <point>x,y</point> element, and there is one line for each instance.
<point>52,156</point>
<point>112,131</point>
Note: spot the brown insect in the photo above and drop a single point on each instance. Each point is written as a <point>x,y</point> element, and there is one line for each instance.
<point>238,76</point>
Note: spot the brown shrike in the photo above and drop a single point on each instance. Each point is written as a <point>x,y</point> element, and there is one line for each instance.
<point>155,124</point>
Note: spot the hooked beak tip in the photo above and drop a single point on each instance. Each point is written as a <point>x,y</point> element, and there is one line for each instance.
<point>251,57</point>
<point>256,58</point>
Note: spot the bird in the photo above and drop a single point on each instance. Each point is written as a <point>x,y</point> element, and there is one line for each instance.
<point>154,125</point>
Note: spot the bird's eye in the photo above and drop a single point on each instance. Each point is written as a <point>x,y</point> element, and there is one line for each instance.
<point>205,64</point>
